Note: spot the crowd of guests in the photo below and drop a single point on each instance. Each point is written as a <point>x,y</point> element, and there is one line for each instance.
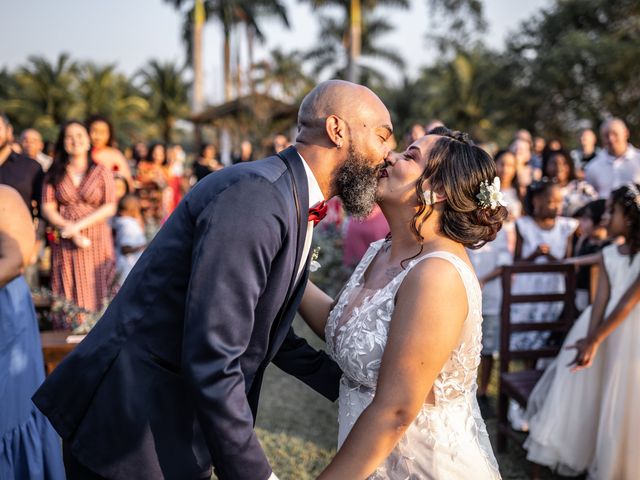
<point>95,208</point>
<point>89,197</point>
<point>580,207</point>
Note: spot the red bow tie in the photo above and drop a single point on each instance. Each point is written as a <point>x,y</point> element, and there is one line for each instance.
<point>318,212</point>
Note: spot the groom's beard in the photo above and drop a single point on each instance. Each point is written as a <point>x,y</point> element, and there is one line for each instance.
<point>356,182</point>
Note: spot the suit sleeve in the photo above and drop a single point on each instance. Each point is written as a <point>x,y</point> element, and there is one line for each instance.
<point>235,239</point>
<point>296,357</point>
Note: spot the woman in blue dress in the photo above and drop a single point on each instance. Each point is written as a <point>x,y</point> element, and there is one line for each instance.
<point>29,447</point>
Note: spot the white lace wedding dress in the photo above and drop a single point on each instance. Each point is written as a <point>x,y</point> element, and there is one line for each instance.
<point>448,440</point>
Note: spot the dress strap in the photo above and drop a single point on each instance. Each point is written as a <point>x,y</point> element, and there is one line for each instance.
<point>368,256</point>
<point>466,273</point>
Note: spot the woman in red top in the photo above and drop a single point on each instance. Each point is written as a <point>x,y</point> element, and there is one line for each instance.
<point>102,149</point>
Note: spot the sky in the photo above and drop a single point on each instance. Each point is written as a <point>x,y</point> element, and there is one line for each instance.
<point>131,32</point>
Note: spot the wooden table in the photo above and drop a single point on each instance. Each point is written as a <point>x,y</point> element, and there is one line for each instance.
<point>55,348</point>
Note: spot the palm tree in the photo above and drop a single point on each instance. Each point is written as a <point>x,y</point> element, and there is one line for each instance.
<point>333,53</point>
<point>102,90</point>
<point>6,82</point>
<point>282,75</point>
<point>196,63</point>
<point>352,30</point>
<point>166,91</point>
<point>230,13</point>
<point>43,93</point>
<point>466,92</point>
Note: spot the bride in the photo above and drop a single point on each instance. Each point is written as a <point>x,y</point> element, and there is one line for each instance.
<point>406,328</point>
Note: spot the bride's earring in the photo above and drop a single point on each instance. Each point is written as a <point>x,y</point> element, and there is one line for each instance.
<point>429,197</point>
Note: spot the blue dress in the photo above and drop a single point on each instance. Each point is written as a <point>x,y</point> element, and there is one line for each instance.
<point>29,447</point>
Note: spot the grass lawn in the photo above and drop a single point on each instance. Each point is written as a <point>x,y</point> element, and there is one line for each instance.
<point>298,428</point>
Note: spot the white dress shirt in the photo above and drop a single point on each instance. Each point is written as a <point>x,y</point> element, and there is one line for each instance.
<point>606,172</point>
<point>315,196</point>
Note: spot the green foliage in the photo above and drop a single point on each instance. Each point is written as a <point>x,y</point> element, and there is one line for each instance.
<point>568,67</point>
<point>464,92</point>
<point>165,89</point>
<point>43,94</point>
<point>332,52</point>
<point>101,90</point>
<point>281,76</point>
<point>455,24</point>
<point>230,13</point>
<point>579,61</point>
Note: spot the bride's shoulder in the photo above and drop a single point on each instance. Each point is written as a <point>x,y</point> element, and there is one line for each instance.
<point>434,292</point>
<point>438,271</point>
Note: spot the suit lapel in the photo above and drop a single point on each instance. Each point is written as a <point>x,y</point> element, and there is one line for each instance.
<point>302,187</point>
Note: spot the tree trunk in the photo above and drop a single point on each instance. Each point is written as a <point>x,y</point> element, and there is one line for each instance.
<point>251,37</point>
<point>355,31</point>
<point>238,67</point>
<point>197,102</point>
<point>228,84</point>
<point>166,130</point>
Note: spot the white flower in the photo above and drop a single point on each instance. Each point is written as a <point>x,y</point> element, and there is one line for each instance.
<point>490,195</point>
<point>314,265</point>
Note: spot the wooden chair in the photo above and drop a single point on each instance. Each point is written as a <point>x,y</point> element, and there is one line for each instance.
<point>519,384</point>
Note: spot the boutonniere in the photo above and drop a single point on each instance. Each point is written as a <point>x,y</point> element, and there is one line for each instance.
<point>315,265</point>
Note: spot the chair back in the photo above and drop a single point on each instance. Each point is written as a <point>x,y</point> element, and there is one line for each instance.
<point>562,324</point>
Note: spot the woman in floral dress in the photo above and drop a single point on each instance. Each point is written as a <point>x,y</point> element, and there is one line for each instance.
<point>78,200</point>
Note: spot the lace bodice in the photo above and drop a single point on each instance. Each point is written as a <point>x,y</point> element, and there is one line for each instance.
<point>357,342</point>
<point>448,439</point>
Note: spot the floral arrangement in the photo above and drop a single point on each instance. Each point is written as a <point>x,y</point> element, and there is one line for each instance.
<point>490,195</point>
<point>315,265</point>
<point>67,313</point>
<point>53,235</point>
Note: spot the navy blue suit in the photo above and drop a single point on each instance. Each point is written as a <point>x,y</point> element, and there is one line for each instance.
<point>167,382</point>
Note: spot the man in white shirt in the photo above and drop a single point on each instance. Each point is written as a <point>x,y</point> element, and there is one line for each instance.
<point>617,163</point>
<point>32,146</point>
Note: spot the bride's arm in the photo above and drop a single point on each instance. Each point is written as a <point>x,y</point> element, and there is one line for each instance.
<point>424,331</point>
<point>314,308</point>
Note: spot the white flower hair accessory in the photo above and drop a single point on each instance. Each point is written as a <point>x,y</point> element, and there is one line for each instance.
<point>490,195</point>
<point>633,193</point>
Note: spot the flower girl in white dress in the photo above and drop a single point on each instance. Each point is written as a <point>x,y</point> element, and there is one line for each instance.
<point>587,419</point>
<point>406,329</point>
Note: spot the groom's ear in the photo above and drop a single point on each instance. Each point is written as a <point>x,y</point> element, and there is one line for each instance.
<point>336,130</point>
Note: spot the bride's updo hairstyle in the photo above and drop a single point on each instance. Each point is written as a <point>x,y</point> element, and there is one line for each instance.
<point>456,167</point>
